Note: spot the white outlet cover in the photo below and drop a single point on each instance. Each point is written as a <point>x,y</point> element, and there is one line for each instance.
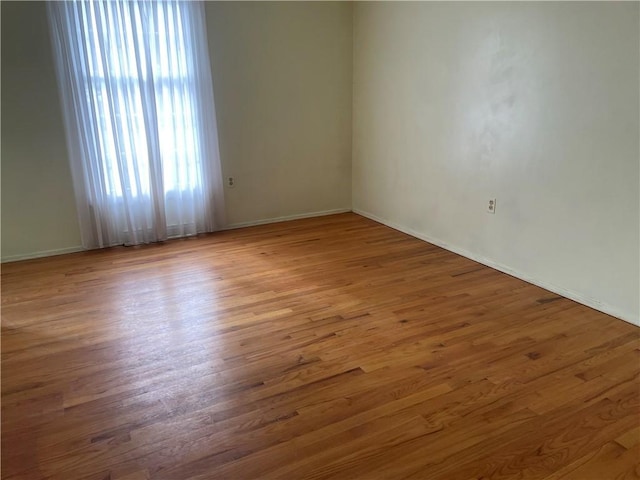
<point>491,205</point>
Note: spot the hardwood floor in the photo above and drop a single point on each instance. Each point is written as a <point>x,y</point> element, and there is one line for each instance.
<point>331,347</point>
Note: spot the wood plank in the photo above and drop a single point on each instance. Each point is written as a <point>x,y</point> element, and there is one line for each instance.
<point>331,347</point>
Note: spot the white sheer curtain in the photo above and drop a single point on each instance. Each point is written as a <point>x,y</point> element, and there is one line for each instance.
<point>138,103</point>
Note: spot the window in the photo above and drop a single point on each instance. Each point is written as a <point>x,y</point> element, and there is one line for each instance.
<point>140,118</point>
<point>121,121</point>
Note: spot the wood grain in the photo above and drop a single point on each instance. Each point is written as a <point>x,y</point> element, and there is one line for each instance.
<point>331,347</point>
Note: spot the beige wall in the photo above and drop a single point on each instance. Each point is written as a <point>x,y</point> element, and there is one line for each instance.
<point>38,208</point>
<point>282,81</point>
<point>535,104</point>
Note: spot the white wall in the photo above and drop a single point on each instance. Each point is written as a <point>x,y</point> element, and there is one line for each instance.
<point>535,104</point>
<point>282,81</point>
<point>282,75</point>
<point>38,207</point>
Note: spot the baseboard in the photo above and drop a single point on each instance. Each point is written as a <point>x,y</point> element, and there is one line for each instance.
<point>43,253</point>
<point>62,251</point>
<point>582,299</point>
<point>286,218</point>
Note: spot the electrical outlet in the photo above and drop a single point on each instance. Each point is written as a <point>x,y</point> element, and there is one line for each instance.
<point>491,206</point>
<point>231,182</point>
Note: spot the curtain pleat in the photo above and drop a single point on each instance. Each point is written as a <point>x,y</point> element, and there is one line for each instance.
<point>136,88</point>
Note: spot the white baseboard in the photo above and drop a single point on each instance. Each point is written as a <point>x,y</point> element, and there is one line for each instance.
<point>584,300</point>
<point>43,253</point>
<point>589,302</point>
<point>62,251</point>
<point>286,218</point>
